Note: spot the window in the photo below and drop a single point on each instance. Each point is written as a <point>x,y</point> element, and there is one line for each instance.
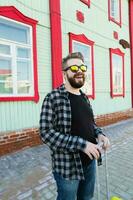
<point>115,11</point>
<point>82,44</point>
<point>117,84</point>
<point>18,75</point>
<point>87,2</point>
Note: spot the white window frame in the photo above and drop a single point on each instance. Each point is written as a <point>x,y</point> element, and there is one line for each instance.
<point>88,86</point>
<point>14,45</point>
<point>115,11</point>
<point>117,87</point>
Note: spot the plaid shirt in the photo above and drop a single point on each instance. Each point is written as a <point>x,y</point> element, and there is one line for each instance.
<point>55,131</point>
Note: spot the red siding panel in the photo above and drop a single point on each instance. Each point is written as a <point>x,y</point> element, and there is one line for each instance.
<point>56,43</point>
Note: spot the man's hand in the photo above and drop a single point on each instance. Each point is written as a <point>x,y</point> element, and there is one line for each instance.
<point>103,140</point>
<point>92,150</point>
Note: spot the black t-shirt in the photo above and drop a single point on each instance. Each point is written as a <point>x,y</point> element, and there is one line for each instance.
<point>82,122</point>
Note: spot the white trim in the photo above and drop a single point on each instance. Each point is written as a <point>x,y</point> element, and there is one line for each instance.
<point>87,88</point>
<point>116,10</point>
<point>117,68</point>
<point>13,55</point>
<point>22,24</point>
<point>13,20</point>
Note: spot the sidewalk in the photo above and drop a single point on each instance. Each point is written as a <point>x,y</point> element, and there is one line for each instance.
<point>26,175</point>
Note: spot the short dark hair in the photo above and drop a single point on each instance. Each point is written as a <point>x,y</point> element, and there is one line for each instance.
<point>71,56</point>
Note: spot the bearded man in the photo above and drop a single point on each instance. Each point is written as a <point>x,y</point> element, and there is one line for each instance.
<point>67,126</point>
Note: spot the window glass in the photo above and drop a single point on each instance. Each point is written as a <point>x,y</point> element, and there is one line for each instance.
<point>5,68</point>
<point>117,83</point>
<point>16,59</point>
<point>86,51</point>
<point>6,87</point>
<point>23,76</point>
<point>24,70</point>
<point>113,8</point>
<point>23,53</point>
<point>4,49</point>
<point>18,33</point>
<point>117,74</point>
<point>115,11</point>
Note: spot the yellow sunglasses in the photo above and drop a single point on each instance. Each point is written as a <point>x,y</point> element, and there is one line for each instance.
<point>75,68</point>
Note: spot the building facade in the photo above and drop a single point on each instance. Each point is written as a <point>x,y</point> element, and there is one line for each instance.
<point>35,35</point>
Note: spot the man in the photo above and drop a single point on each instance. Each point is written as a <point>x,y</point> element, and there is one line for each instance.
<point>67,126</point>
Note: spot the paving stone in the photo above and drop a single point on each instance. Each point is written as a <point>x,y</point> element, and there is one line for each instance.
<point>25,195</point>
<point>42,186</point>
<point>27,174</point>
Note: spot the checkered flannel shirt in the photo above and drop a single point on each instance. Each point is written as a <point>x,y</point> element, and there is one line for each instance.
<point>55,131</point>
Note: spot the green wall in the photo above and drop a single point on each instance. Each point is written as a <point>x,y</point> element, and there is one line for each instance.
<point>97,28</point>
<point>25,114</point>
<point>20,115</point>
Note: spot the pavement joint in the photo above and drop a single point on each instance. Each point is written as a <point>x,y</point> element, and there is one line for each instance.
<point>26,175</point>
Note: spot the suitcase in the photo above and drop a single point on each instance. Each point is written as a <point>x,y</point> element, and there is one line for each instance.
<point>98,163</point>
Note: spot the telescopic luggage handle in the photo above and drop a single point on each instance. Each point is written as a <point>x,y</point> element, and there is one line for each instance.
<point>98,163</point>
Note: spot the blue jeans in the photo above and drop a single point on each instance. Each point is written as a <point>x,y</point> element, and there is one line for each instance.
<point>77,189</point>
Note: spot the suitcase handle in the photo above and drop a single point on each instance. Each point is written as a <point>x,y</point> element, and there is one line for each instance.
<point>98,163</point>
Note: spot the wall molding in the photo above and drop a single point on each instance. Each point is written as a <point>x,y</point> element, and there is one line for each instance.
<point>19,140</point>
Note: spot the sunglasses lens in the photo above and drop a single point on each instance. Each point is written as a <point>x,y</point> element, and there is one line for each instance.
<point>74,68</point>
<point>83,68</point>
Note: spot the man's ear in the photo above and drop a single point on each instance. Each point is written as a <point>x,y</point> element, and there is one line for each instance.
<point>64,73</point>
<point>64,76</point>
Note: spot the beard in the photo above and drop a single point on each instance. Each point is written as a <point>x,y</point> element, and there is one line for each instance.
<point>74,82</point>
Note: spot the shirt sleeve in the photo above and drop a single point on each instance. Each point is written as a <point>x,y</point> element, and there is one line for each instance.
<point>97,130</point>
<point>54,139</point>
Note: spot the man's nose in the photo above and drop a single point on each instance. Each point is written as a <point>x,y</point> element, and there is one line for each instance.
<point>79,70</point>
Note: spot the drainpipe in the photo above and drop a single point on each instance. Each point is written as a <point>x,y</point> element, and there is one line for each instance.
<point>56,42</point>
<point>131,43</point>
